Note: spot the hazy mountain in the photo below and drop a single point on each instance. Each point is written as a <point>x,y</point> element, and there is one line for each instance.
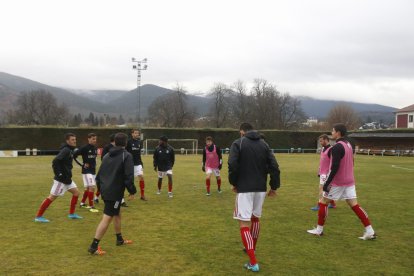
<point>116,102</point>
<point>320,109</point>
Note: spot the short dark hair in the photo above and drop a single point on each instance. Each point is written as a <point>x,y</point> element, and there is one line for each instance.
<point>90,135</point>
<point>135,129</point>
<point>324,137</point>
<point>112,137</point>
<point>341,128</point>
<point>120,139</point>
<point>164,138</point>
<point>246,127</point>
<point>68,135</point>
<point>209,138</point>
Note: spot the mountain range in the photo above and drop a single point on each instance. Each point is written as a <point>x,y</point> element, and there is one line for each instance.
<point>122,102</point>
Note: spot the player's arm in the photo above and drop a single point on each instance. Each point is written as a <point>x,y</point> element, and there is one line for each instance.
<point>129,147</point>
<point>58,167</point>
<point>273,168</point>
<point>203,165</point>
<point>233,163</point>
<point>337,153</point>
<point>172,157</point>
<point>155,159</point>
<point>76,154</point>
<point>220,157</point>
<point>129,174</point>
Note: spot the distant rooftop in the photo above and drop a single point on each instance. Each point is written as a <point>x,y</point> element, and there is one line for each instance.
<point>409,108</point>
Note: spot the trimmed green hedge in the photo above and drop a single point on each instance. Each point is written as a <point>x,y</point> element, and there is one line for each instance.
<point>50,138</point>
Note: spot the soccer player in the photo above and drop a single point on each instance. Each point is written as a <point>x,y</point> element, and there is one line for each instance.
<point>212,163</point>
<point>164,159</point>
<point>324,163</point>
<point>115,174</point>
<point>105,150</point>
<point>250,161</point>
<point>340,184</point>
<point>134,147</point>
<point>62,168</point>
<point>88,153</point>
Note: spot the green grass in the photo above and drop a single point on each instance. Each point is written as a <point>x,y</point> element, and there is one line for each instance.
<point>193,234</point>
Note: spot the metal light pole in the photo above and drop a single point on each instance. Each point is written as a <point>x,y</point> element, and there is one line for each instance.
<point>138,67</point>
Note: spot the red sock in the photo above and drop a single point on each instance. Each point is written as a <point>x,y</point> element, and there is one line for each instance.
<point>142,186</point>
<point>170,187</point>
<point>208,185</point>
<point>248,244</point>
<point>363,216</point>
<point>98,193</point>
<point>219,184</point>
<point>333,203</point>
<point>43,207</point>
<point>255,230</point>
<point>73,203</point>
<point>85,195</point>
<point>322,213</point>
<point>90,197</point>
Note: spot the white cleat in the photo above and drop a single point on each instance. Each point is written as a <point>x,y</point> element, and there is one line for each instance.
<point>170,194</point>
<point>158,192</point>
<point>315,232</point>
<point>368,235</point>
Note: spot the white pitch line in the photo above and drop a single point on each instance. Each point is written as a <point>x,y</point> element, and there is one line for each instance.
<point>397,167</point>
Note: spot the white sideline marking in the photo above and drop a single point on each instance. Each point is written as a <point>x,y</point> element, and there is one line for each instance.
<point>397,167</point>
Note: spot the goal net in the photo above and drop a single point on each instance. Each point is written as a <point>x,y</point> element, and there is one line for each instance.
<point>180,146</point>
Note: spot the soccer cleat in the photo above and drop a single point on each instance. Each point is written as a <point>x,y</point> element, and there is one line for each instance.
<point>96,200</point>
<point>143,198</point>
<point>93,210</point>
<point>254,268</point>
<point>74,216</point>
<point>170,194</point>
<point>219,191</point>
<point>158,192</point>
<point>315,232</point>
<point>41,219</point>
<point>83,205</point>
<point>207,194</point>
<point>315,208</point>
<point>96,251</point>
<point>368,236</point>
<point>123,204</point>
<point>124,242</point>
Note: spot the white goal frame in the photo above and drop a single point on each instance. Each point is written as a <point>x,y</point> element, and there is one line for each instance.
<point>193,149</point>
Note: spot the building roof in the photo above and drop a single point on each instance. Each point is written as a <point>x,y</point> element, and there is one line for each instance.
<point>409,108</point>
<point>381,135</point>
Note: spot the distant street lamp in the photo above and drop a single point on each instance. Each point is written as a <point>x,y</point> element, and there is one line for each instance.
<point>138,67</point>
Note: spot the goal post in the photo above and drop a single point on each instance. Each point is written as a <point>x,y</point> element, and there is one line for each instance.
<point>181,146</point>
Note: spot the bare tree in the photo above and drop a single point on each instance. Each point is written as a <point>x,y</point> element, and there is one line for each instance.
<point>171,110</point>
<point>241,104</point>
<point>220,110</point>
<point>38,107</point>
<point>343,113</point>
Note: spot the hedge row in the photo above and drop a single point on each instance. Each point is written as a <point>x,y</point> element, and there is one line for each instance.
<point>49,138</point>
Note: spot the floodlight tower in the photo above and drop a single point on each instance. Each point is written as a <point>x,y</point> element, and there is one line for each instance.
<point>138,66</point>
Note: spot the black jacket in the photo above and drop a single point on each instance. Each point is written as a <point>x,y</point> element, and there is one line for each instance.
<point>134,147</point>
<point>250,161</point>
<point>164,158</point>
<point>62,164</point>
<point>88,153</point>
<point>106,149</point>
<point>115,174</point>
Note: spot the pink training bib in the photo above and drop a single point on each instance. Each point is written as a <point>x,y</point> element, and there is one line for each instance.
<point>345,174</point>
<point>212,159</point>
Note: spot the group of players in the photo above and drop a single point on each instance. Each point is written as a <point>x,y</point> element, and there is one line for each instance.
<point>250,161</point>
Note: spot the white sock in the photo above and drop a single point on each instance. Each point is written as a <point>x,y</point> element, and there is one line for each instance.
<point>319,228</point>
<point>369,229</point>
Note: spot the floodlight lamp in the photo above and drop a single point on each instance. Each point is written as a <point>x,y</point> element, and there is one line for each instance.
<point>145,67</point>
<point>133,59</point>
<point>134,67</point>
<point>144,60</point>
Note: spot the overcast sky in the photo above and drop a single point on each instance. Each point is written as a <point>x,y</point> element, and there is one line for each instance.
<point>357,50</point>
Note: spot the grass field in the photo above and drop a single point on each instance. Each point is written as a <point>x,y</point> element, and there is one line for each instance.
<point>192,234</point>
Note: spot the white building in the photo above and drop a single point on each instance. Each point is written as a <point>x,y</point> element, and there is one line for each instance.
<point>404,117</point>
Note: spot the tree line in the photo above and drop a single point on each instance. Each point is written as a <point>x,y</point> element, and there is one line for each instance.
<point>262,104</point>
